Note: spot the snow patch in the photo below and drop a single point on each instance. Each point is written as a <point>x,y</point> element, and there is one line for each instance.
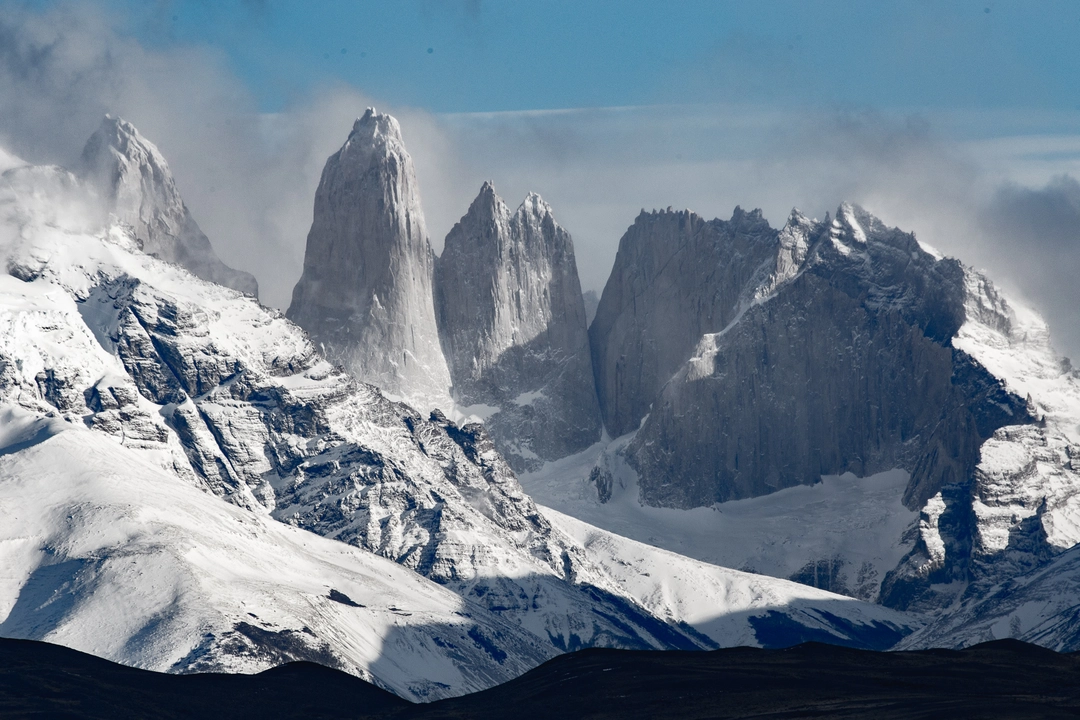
<point>861,520</point>
<point>528,398</point>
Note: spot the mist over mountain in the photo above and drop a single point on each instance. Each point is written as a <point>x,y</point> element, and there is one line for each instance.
<point>485,435</point>
<point>132,175</point>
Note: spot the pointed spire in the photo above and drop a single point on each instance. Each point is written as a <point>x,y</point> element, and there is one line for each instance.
<point>365,293</point>
<point>133,176</point>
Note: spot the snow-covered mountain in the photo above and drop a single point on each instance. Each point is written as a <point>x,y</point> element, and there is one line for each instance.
<point>131,174</point>
<point>1037,607</point>
<point>512,322</point>
<point>841,347</point>
<point>189,483</point>
<point>160,435</point>
<point>365,296</point>
<point>106,552</point>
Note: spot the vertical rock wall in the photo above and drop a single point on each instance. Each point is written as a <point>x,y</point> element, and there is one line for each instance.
<point>365,295</point>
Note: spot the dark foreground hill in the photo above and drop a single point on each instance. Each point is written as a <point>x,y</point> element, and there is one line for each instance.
<point>1001,679</point>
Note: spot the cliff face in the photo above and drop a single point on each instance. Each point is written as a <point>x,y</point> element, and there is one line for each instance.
<point>365,295</point>
<point>134,179</point>
<point>675,278</point>
<point>512,322</point>
<point>845,366</point>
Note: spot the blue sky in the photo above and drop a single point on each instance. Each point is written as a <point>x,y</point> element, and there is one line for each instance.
<point>951,119</point>
<point>477,55</point>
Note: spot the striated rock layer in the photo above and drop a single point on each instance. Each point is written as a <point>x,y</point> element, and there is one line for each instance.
<point>512,322</point>
<point>132,175</point>
<point>365,295</point>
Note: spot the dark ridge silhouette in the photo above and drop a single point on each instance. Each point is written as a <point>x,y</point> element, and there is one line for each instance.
<point>41,680</point>
<point>1000,679</point>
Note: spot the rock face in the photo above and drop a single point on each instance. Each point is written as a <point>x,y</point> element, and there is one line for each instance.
<point>365,295</point>
<point>675,278</point>
<point>132,175</point>
<point>846,366</point>
<point>1020,507</point>
<point>512,322</point>
<point>851,348</point>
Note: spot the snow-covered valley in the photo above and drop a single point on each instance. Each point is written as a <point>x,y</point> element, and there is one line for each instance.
<point>786,533</point>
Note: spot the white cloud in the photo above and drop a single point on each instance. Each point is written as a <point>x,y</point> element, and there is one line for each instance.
<point>250,179</point>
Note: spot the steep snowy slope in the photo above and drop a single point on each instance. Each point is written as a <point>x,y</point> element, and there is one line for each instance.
<point>1021,506</point>
<point>1038,607</point>
<point>729,606</point>
<point>104,552</point>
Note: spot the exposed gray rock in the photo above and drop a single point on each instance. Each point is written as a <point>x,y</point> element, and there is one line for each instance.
<point>846,366</point>
<point>512,323</point>
<point>264,422</point>
<point>132,175</point>
<point>676,277</point>
<point>1037,607</point>
<point>365,295</point>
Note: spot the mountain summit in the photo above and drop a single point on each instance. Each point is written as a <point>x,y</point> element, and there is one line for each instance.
<point>365,294</point>
<point>512,323</point>
<point>132,175</point>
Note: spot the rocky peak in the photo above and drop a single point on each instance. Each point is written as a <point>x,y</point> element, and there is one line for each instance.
<point>676,277</point>
<point>512,324</point>
<point>366,291</point>
<point>534,206</point>
<point>374,135</point>
<point>794,245</point>
<point>134,178</point>
<point>487,209</point>
<point>886,299</point>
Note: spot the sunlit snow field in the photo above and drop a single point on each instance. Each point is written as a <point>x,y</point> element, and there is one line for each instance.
<point>777,534</point>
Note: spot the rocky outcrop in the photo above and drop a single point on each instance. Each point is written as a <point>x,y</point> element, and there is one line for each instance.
<point>365,295</point>
<point>676,277</point>
<point>512,323</point>
<point>845,366</point>
<point>132,175</point>
<point>1020,508</point>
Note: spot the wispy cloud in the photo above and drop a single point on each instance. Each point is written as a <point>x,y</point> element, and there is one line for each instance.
<point>250,178</point>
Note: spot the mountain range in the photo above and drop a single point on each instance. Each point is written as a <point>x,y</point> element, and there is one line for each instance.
<point>826,431</point>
